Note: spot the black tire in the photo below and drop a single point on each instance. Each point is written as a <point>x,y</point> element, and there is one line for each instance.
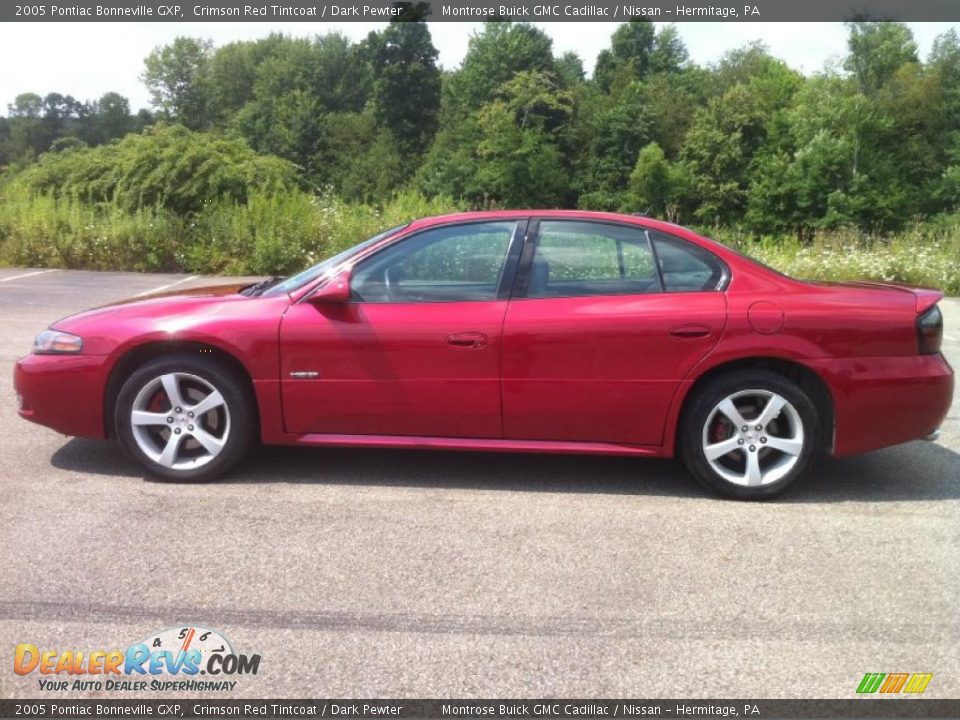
<point>694,435</point>
<point>238,426</point>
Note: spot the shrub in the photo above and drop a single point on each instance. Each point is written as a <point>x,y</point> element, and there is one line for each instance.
<point>165,166</point>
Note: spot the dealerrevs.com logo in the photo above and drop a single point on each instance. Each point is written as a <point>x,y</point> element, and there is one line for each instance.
<point>183,652</point>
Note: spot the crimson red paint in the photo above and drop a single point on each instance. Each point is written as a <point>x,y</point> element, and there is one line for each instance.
<point>591,374</point>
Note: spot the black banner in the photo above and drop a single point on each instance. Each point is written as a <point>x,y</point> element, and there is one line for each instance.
<point>547,708</point>
<point>478,10</point>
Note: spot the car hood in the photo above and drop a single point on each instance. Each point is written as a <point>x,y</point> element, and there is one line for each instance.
<point>204,291</point>
<point>156,305</point>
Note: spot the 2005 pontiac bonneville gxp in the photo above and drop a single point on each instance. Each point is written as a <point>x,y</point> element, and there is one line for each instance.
<point>552,331</point>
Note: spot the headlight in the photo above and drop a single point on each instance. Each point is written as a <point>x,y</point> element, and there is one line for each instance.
<point>55,342</point>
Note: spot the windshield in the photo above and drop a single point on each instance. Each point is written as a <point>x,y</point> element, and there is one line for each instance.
<point>321,268</point>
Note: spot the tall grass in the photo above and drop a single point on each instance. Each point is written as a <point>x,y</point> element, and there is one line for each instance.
<point>40,231</point>
<point>283,232</point>
<point>270,233</point>
<point>926,254</point>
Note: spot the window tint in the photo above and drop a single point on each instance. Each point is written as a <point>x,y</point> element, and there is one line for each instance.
<point>585,258</point>
<point>686,267</point>
<point>447,264</point>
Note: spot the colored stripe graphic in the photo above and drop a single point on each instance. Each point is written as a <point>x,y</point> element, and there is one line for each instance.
<point>918,682</point>
<point>894,682</point>
<point>870,682</point>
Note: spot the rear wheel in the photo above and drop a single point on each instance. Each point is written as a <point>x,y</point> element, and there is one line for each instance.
<point>184,418</point>
<point>749,434</point>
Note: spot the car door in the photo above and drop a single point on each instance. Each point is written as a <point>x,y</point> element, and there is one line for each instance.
<point>594,346</point>
<point>417,349</point>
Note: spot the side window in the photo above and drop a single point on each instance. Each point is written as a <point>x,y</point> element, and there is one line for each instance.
<point>446,264</point>
<point>575,258</point>
<point>686,267</point>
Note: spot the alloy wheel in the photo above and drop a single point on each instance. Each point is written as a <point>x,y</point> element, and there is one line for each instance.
<point>753,437</point>
<point>180,420</point>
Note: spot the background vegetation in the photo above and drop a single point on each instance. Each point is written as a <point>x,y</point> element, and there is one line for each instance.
<point>261,156</point>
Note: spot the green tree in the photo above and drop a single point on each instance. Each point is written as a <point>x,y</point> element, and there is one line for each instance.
<point>26,105</point>
<point>329,67</point>
<point>178,78</point>
<point>289,125</point>
<point>106,119</point>
<point>233,72</point>
<point>876,51</point>
<point>570,70</point>
<point>657,186</point>
<point>638,50</point>
<point>617,130</point>
<point>362,160</point>
<point>295,84</point>
<point>28,133</point>
<point>6,148</point>
<point>669,53</point>
<point>628,56</point>
<point>730,136</point>
<point>670,102</point>
<point>494,56</point>
<point>406,83</point>
<point>522,164</point>
<point>944,60</point>
<point>451,165</point>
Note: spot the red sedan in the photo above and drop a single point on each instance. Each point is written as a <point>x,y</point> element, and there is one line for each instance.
<point>528,331</point>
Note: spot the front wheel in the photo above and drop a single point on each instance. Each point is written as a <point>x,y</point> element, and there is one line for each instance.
<point>184,418</point>
<point>749,434</point>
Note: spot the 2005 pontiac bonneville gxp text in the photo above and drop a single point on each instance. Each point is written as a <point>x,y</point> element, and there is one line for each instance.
<point>532,331</point>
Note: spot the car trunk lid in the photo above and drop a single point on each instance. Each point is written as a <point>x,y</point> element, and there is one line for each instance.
<point>925,298</point>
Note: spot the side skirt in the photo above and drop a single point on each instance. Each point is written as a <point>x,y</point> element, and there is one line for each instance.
<point>471,444</point>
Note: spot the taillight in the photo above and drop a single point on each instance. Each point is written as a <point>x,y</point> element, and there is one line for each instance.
<point>930,331</point>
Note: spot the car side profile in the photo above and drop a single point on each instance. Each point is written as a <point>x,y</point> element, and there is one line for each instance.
<point>519,331</point>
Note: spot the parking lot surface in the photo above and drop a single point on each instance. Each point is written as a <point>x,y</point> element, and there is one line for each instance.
<point>360,573</point>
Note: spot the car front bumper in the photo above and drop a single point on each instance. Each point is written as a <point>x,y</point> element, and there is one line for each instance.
<point>62,392</point>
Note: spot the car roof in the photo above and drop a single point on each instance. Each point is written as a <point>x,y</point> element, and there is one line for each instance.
<point>565,214</point>
<point>638,220</point>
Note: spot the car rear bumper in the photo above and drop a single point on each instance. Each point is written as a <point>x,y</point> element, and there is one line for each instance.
<point>63,392</point>
<point>884,401</point>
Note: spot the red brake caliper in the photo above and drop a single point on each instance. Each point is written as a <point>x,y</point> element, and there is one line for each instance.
<point>156,403</point>
<point>718,432</point>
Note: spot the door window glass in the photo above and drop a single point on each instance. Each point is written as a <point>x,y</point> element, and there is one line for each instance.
<point>445,264</point>
<point>574,258</point>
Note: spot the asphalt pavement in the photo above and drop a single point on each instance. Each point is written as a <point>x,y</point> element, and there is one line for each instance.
<point>362,573</point>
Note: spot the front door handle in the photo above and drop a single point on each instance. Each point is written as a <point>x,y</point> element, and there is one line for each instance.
<point>467,341</point>
<point>690,331</point>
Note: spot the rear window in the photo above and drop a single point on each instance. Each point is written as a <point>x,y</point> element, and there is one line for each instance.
<point>686,267</point>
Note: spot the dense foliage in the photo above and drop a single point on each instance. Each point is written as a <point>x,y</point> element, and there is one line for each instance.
<point>250,144</point>
<point>166,167</point>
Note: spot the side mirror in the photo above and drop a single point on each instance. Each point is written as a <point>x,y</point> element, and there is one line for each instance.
<point>335,290</point>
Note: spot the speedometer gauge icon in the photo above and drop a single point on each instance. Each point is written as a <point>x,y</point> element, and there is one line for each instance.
<point>180,640</point>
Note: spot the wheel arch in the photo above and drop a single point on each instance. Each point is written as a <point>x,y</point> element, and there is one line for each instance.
<point>134,357</point>
<point>806,378</point>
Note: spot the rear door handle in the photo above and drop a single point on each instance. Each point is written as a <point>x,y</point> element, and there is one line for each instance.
<point>467,341</point>
<point>690,331</point>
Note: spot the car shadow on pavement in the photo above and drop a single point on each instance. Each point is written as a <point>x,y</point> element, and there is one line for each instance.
<point>915,471</point>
